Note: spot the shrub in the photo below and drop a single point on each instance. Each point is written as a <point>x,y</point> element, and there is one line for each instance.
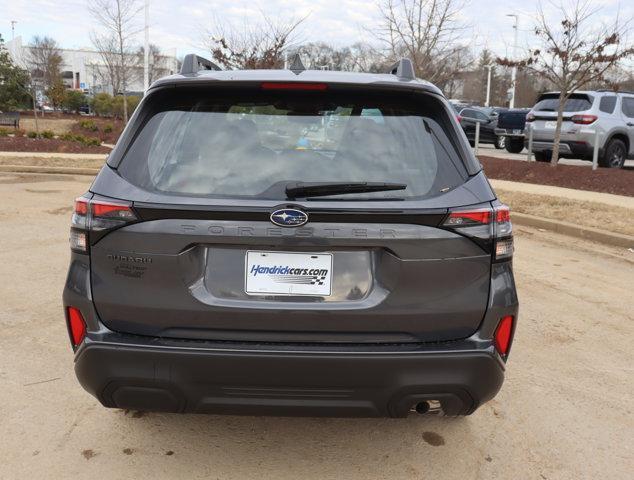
<point>73,100</point>
<point>19,132</point>
<point>47,134</point>
<point>108,128</point>
<point>133,102</point>
<point>88,125</point>
<point>91,141</point>
<point>102,104</point>
<point>31,134</point>
<point>4,132</point>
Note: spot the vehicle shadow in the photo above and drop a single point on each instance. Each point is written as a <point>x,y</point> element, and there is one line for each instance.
<point>289,447</point>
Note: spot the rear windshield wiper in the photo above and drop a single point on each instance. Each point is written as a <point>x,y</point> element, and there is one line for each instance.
<point>318,189</point>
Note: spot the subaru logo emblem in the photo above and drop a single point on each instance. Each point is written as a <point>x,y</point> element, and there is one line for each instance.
<point>289,217</point>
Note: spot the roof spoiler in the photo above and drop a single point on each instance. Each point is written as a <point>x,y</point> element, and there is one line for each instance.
<point>192,64</point>
<point>403,69</point>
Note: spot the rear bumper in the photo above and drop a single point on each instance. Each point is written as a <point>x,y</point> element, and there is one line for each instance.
<point>125,373</point>
<point>507,132</point>
<point>574,149</point>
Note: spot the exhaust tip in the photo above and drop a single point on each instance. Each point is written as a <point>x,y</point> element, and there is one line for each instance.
<point>421,408</point>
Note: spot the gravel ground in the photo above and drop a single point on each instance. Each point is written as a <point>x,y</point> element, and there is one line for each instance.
<point>565,411</point>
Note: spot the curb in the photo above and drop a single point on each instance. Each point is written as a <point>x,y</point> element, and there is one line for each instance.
<point>42,169</point>
<point>572,230</point>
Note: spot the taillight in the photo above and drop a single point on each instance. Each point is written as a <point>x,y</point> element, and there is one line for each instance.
<point>76,325</point>
<point>530,117</point>
<point>503,335</point>
<point>97,216</point>
<point>459,118</point>
<point>584,119</point>
<point>484,225</point>
<point>294,86</point>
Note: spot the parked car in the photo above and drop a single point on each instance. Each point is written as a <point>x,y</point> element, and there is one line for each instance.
<point>611,113</point>
<point>365,270</point>
<point>510,125</point>
<point>487,118</point>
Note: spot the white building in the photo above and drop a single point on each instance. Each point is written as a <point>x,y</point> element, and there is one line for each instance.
<point>85,69</point>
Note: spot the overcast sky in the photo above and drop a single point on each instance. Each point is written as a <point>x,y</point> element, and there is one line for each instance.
<point>178,24</point>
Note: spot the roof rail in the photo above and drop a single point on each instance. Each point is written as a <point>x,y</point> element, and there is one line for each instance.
<point>613,90</point>
<point>192,63</point>
<point>403,69</point>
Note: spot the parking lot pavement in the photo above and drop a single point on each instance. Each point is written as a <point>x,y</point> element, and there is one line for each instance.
<point>490,151</point>
<point>565,411</point>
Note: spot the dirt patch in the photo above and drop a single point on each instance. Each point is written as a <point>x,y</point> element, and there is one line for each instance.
<point>587,214</point>
<point>605,180</point>
<point>54,145</point>
<point>58,126</point>
<point>433,439</point>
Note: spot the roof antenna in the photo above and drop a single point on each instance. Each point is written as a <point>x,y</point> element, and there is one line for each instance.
<point>297,66</point>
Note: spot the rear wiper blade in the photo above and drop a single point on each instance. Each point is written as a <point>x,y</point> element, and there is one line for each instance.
<point>319,189</point>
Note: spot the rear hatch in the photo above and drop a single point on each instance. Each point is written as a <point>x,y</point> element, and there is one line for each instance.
<point>219,246</point>
<point>544,114</point>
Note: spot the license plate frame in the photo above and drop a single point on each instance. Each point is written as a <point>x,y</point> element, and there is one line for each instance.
<point>276,273</point>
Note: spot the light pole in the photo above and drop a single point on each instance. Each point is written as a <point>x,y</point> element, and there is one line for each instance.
<point>146,49</point>
<point>514,71</point>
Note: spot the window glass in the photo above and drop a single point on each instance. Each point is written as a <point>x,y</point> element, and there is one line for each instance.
<point>253,144</point>
<point>628,107</point>
<point>607,104</point>
<point>576,103</point>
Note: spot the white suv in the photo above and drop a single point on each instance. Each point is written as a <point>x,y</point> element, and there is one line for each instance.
<point>611,113</point>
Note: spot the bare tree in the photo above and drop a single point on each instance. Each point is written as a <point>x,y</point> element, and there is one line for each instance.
<point>44,60</point>
<point>118,21</point>
<point>429,32</point>
<point>159,64</point>
<point>254,46</point>
<point>575,50</point>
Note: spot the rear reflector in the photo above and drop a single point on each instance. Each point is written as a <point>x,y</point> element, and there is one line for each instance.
<point>294,86</point>
<point>503,335</point>
<point>76,325</point>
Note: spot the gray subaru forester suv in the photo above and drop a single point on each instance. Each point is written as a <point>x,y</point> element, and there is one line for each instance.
<point>291,242</point>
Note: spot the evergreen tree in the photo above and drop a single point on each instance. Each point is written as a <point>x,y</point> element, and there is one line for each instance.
<point>13,82</point>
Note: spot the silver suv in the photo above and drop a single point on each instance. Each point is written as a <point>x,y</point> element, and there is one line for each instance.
<point>611,113</point>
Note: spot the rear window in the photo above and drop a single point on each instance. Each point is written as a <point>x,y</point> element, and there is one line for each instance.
<point>251,143</point>
<point>576,103</point>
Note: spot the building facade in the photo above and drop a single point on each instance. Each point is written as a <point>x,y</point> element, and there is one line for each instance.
<point>86,69</point>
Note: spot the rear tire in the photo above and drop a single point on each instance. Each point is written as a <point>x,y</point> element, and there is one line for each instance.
<point>515,145</point>
<point>543,156</point>
<point>614,154</point>
<point>500,142</point>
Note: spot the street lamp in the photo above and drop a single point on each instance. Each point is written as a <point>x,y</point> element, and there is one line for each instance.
<point>514,71</point>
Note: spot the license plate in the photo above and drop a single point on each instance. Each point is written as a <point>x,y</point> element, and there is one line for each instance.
<point>552,125</point>
<point>286,273</point>
<point>517,132</point>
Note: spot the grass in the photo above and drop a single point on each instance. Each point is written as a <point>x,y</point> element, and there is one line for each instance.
<point>587,214</point>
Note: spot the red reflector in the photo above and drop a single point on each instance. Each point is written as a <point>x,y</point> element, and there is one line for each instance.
<point>81,206</point>
<point>503,214</point>
<point>102,209</point>
<point>294,86</point>
<point>503,334</point>
<point>76,325</point>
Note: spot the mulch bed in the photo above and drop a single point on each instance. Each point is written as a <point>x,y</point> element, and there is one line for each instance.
<point>52,145</point>
<point>604,180</point>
